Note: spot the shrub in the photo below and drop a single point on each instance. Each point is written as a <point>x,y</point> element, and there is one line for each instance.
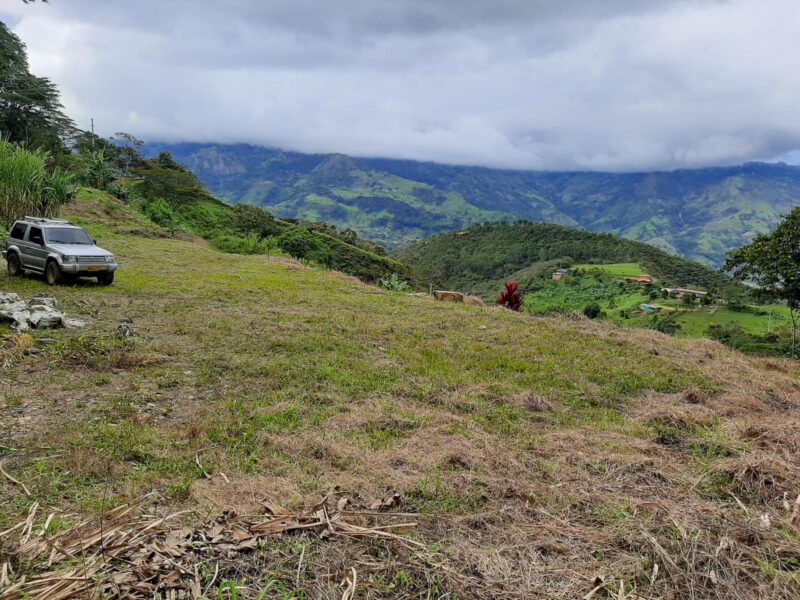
<point>592,310</point>
<point>118,191</point>
<point>393,283</point>
<point>301,243</point>
<point>511,297</point>
<point>26,186</point>
<point>252,219</point>
<point>97,172</point>
<point>161,213</point>
<point>667,325</point>
<point>249,244</point>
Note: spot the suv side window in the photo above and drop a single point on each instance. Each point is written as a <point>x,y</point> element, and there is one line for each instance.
<point>18,231</point>
<point>35,236</point>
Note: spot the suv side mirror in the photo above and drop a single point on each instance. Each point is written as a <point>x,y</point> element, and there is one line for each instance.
<point>94,241</point>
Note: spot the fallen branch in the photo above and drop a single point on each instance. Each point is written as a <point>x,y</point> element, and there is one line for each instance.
<point>14,481</point>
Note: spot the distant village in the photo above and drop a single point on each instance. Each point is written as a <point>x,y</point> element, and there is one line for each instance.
<point>677,293</point>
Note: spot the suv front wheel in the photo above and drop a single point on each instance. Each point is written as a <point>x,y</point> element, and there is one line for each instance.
<point>52,273</point>
<point>106,278</point>
<point>13,264</point>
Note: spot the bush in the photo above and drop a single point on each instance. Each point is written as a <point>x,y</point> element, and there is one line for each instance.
<point>252,219</point>
<point>511,297</point>
<point>249,244</point>
<point>161,213</point>
<point>96,171</point>
<point>592,310</point>
<point>393,283</point>
<point>666,325</point>
<point>301,243</point>
<point>118,191</point>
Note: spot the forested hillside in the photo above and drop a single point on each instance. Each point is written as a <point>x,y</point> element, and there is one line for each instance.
<point>700,214</point>
<point>479,259</point>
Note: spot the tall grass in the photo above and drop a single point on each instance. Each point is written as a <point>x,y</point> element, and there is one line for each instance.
<point>26,185</point>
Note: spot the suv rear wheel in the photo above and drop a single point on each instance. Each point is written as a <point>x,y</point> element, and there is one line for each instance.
<point>13,264</point>
<point>52,273</point>
<point>106,278</point>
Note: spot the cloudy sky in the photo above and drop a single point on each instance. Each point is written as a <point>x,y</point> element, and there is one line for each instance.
<point>540,84</point>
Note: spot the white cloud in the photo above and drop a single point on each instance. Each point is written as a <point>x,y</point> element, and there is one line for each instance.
<point>618,85</point>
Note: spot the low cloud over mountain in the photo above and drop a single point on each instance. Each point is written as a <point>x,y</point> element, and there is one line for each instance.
<point>539,84</point>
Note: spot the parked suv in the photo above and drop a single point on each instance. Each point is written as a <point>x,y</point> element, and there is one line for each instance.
<point>57,248</point>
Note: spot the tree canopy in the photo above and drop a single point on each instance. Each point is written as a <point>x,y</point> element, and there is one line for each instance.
<point>30,106</point>
<point>772,262</point>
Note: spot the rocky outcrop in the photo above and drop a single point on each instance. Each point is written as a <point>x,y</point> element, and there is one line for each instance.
<point>36,313</point>
<point>446,296</point>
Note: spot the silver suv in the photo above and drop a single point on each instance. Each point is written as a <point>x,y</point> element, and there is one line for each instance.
<point>57,248</point>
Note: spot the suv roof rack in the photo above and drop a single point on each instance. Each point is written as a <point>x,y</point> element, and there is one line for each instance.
<point>46,220</point>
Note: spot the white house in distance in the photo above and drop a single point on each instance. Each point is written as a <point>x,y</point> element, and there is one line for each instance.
<point>681,292</point>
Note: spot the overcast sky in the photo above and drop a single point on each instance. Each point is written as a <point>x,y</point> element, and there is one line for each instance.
<point>540,84</point>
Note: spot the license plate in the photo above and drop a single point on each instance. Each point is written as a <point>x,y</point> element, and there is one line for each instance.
<point>93,269</point>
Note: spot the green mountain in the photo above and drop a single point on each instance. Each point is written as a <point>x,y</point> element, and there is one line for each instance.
<point>699,214</point>
<point>480,259</point>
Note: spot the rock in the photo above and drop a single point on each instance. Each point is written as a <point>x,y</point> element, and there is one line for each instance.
<point>39,313</point>
<point>9,298</point>
<point>45,319</point>
<point>125,331</point>
<point>43,300</point>
<point>445,296</point>
<point>474,300</point>
<point>73,323</point>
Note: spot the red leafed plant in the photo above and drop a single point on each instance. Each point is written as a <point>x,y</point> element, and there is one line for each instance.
<point>511,297</point>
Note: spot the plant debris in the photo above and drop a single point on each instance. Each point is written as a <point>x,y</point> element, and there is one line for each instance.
<point>124,553</point>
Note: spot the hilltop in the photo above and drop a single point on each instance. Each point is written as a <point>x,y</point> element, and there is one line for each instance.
<point>480,259</point>
<point>516,445</point>
<point>700,214</point>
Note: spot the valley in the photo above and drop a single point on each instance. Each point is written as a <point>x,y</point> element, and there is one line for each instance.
<point>698,214</point>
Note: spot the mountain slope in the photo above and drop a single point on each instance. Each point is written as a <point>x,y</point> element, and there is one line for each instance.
<point>477,260</point>
<point>699,214</point>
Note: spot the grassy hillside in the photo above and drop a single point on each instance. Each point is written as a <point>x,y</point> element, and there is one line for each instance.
<point>479,259</point>
<point>699,214</point>
<point>176,200</point>
<point>537,457</point>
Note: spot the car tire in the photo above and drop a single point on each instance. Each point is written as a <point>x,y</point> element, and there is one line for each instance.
<point>13,264</point>
<point>52,273</point>
<point>106,278</point>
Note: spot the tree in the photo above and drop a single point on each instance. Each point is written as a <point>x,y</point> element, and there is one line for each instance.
<point>249,219</point>
<point>166,161</point>
<point>30,107</point>
<point>667,325</point>
<point>772,262</point>
<point>128,150</point>
<point>592,310</point>
<point>689,299</point>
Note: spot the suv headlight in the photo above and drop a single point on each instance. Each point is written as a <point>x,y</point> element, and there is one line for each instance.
<point>69,259</point>
<point>110,258</point>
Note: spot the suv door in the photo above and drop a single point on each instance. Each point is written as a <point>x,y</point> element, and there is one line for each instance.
<point>35,254</point>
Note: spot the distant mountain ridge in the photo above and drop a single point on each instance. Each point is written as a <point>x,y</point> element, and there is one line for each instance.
<point>700,213</point>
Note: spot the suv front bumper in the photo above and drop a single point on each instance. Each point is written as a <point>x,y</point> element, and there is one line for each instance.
<point>88,269</point>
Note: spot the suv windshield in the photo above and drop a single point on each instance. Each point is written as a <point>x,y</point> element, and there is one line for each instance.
<point>68,235</point>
